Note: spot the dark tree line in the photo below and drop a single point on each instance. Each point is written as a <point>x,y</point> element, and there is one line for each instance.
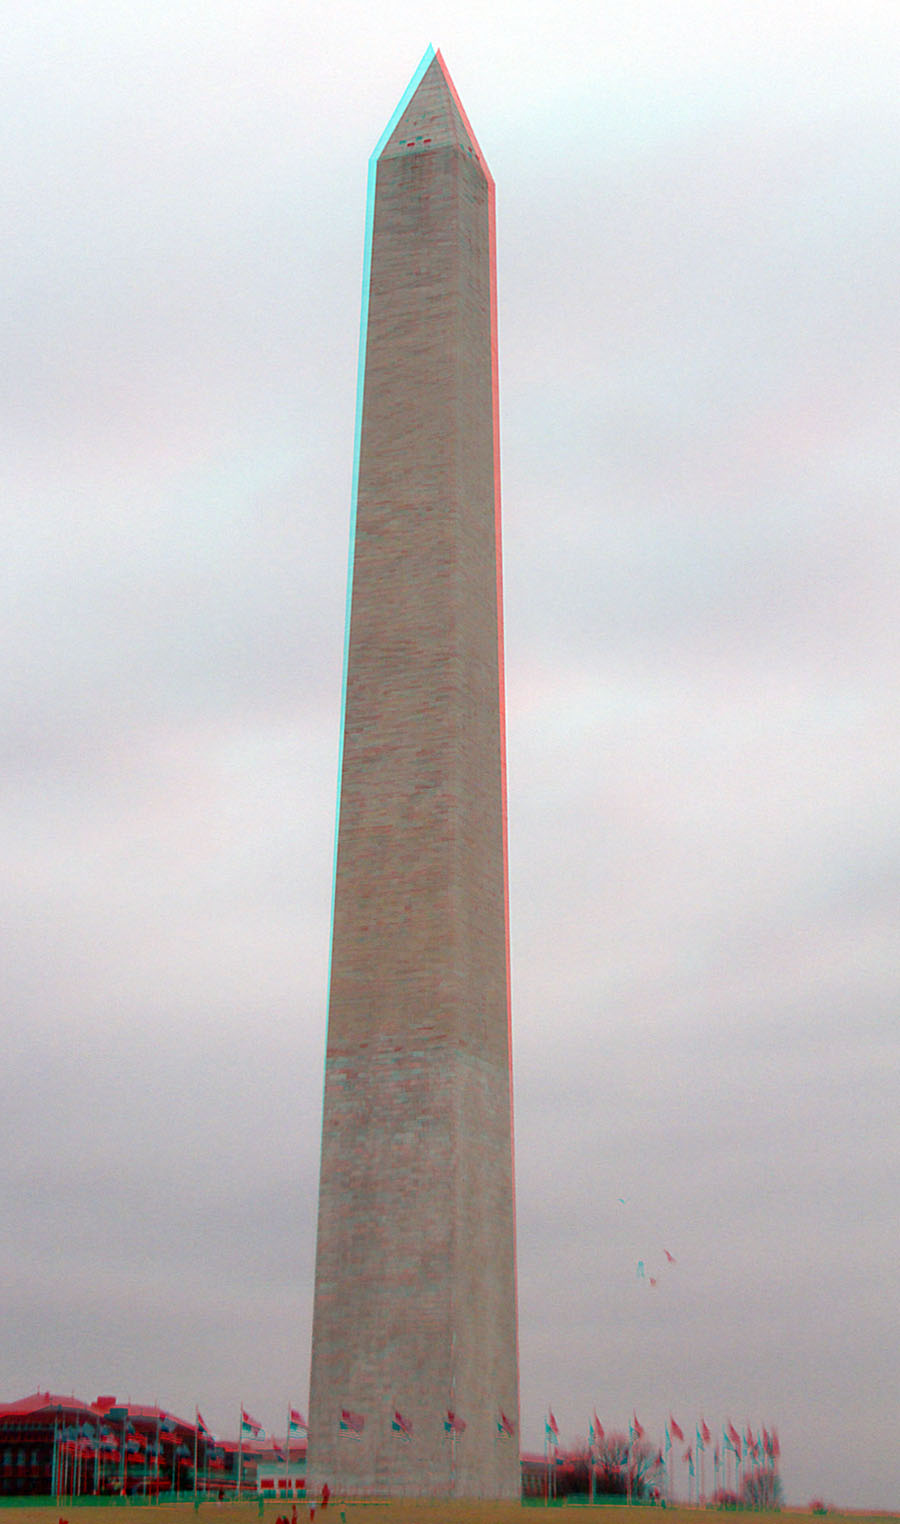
<point>622,1467</point>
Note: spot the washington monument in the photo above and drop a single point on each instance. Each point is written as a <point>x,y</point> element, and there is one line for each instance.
<point>414,1382</point>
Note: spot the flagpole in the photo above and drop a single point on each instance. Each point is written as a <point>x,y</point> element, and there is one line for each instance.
<point>240,1451</point>
<point>54,1477</point>
<point>453,1411</point>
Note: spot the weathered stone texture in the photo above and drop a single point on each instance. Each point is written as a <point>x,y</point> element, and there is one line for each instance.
<point>415,1274</point>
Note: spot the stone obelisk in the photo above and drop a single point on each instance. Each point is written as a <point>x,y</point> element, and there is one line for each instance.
<point>414,1382</point>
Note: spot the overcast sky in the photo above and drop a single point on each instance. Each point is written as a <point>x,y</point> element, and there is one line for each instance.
<point>699,222</point>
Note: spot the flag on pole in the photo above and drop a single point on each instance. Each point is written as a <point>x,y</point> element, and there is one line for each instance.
<point>668,1440</point>
<point>636,1427</point>
<point>732,1440</point>
<point>453,1424</point>
<point>250,1426</point>
<point>296,1421</point>
<point>596,1430</point>
<point>551,1427</point>
<point>352,1423</point>
<point>202,1430</point>
<point>677,1431</point>
<point>704,1430</point>
<point>401,1425</point>
<point>505,1426</point>
<point>688,1456</point>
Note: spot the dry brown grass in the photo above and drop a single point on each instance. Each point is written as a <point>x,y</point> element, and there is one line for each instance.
<point>411,1512</point>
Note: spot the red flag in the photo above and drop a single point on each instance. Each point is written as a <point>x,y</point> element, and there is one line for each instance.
<point>670,1257</point>
<point>637,1427</point>
<point>704,1430</point>
<point>735,1438</point>
<point>599,1435</point>
<point>677,1431</point>
<point>505,1425</point>
<point>453,1423</point>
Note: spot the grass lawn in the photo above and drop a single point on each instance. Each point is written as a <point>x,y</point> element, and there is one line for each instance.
<point>406,1512</point>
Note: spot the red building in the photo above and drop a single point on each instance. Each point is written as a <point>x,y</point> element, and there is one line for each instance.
<point>58,1446</point>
